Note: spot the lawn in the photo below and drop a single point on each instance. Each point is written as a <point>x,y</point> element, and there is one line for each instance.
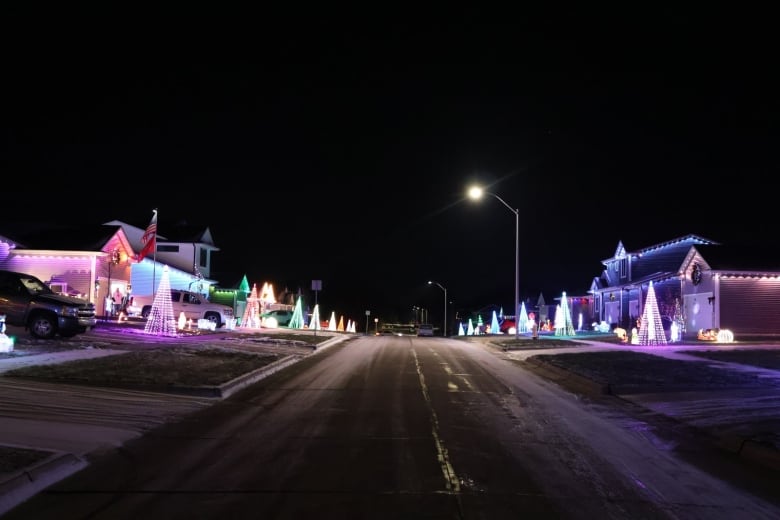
<point>153,368</point>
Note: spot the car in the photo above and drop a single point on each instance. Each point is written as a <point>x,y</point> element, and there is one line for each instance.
<point>425,329</point>
<point>195,307</point>
<point>276,318</point>
<point>28,302</point>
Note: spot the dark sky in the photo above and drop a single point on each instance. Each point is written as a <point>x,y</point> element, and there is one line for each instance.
<point>340,146</point>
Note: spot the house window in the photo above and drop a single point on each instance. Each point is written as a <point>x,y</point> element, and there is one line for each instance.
<point>623,267</point>
<point>204,257</point>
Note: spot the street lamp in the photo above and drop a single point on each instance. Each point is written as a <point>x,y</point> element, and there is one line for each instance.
<point>475,193</point>
<point>445,304</point>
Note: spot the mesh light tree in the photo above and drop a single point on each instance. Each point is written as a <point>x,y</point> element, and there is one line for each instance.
<point>315,319</point>
<point>161,321</point>
<point>251,317</point>
<point>296,322</point>
<point>523,323</point>
<point>494,328</point>
<point>651,329</point>
<point>566,327</point>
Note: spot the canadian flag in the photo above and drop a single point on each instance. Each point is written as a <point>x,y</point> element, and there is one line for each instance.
<point>149,238</point>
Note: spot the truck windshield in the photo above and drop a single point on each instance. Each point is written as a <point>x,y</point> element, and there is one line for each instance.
<point>34,285</point>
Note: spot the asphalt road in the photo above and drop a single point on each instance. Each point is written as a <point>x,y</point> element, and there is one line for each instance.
<point>405,427</point>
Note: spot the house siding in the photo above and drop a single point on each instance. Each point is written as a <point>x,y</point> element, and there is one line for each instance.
<point>75,271</point>
<point>749,305</point>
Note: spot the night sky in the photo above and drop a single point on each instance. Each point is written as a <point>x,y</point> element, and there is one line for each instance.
<point>340,147</point>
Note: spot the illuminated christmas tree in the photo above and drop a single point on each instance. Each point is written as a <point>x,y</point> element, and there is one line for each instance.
<point>332,321</point>
<point>251,317</point>
<point>340,326</point>
<point>651,329</point>
<point>267,296</point>
<point>523,323</point>
<point>161,321</point>
<point>566,326</point>
<point>470,330</point>
<point>296,322</point>
<point>494,328</point>
<point>315,318</point>
<point>461,332</point>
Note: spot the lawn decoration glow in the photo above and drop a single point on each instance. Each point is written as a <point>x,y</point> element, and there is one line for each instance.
<point>251,317</point>
<point>494,328</point>
<point>651,330</point>
<point>563,324</point>
<point>296,322</point>
<point>523,323</point>
<point>315,318</point>
<point>161,321</point>
<point>6,342</point>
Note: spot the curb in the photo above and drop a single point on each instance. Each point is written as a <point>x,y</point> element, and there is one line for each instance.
<point>30,481</point>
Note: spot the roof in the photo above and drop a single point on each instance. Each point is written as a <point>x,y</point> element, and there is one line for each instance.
<point>62,237</point>
<point>742,258</point>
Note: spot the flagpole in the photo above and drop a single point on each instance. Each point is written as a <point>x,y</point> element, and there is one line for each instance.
<point>154,257</point>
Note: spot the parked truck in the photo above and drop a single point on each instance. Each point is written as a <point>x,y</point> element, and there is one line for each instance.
<point>28,302</point>
<point>194,306</point>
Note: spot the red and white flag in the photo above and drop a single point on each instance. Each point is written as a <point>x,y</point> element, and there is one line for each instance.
<point>149,239</point>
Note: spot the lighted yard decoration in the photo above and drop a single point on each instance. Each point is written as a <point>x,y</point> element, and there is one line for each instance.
<point>494,328</point>
<point>651,329</point>
<point>251,317</point>
<point>563,323</point>
<point>161,321</point>
<point>461,332</point>
<point>6,343</point>
<point>296,322</point>
<point>332,321</point>
<point>523,321</point>
<point>315,318</point>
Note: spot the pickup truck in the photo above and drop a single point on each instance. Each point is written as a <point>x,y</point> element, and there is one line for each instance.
<point>194,306</point>
<point>28,302</point>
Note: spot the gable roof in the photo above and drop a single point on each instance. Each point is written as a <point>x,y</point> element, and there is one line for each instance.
<point>759,258</point>
<point>65,238</point>
<point>179,232</point>
<point>659,260</point>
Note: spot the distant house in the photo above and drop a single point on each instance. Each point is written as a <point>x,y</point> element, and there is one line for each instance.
<point>88,262</point>
<point>185,249</point>
<point>96,262</point>
<point>698,283</point>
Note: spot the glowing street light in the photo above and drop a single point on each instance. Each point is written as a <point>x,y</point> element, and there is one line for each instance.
<point>475,193</point>
<point>444,329</point>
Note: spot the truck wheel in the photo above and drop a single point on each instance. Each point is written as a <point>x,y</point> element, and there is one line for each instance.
<point>42,326</point>
<point>213,318</point>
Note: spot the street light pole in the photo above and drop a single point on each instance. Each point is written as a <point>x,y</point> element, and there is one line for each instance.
<point>444,329</point>
<point>475,193</point>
